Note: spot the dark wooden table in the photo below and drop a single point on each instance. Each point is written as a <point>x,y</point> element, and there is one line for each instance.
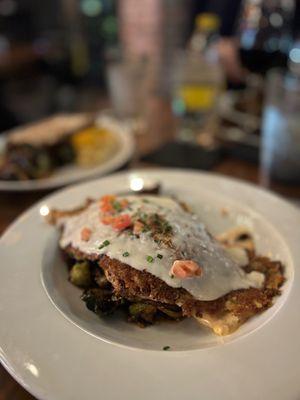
<point>11,205</point>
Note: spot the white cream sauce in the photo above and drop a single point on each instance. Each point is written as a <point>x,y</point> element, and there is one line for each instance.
<point>189,237</point>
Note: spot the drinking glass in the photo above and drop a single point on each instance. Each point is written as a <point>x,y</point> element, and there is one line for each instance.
<point>280,142</point>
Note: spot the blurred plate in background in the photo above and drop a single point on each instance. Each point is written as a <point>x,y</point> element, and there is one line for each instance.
<point>73,172</point>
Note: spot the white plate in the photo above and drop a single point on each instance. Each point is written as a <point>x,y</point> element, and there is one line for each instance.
<point>74,173</point>
<point>65,352</point>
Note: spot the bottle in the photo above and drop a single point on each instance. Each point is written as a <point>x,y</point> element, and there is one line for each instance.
<point>198,80</point>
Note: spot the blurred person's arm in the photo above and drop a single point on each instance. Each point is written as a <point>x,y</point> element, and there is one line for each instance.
<point>228,48</point>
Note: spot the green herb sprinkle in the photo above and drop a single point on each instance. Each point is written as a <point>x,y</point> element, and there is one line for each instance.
<point>104,244</point>
<point>117,206</point>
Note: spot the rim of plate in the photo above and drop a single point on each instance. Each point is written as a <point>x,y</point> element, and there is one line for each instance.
<point>277,211</point>
<point>123,154</point>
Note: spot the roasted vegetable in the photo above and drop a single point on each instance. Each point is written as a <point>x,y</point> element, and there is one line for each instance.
<point>99,297</point>
<point>80,274</point>
<point>101,301</point>
<point>142,312</point>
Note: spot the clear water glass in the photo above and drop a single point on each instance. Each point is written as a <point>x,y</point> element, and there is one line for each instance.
<point>280,142</point>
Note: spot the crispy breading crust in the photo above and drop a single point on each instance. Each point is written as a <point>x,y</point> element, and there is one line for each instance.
<point>55,215</point>
<point>244,303</point>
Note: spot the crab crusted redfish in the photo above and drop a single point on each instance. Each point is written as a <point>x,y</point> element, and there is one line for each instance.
<point>168,255</point>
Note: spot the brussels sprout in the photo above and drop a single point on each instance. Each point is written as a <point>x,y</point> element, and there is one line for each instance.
<point>142,312</point>
<point>80,274</point>
<point>101,301</point>
<point>65,153</point>
<point>43,164</point>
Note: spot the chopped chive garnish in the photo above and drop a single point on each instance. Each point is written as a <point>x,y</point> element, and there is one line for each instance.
<point>104,244</point>
<point>160,256</point>
<point>165,348</point>
<point>150,259</point>
<point>117,206</point>
<point>125,254</point>
<point>145,201</point>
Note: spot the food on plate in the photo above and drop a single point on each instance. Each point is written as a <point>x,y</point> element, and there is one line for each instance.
<point>37,150</point>
<point>152,257</point>
<point>93,145</point>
